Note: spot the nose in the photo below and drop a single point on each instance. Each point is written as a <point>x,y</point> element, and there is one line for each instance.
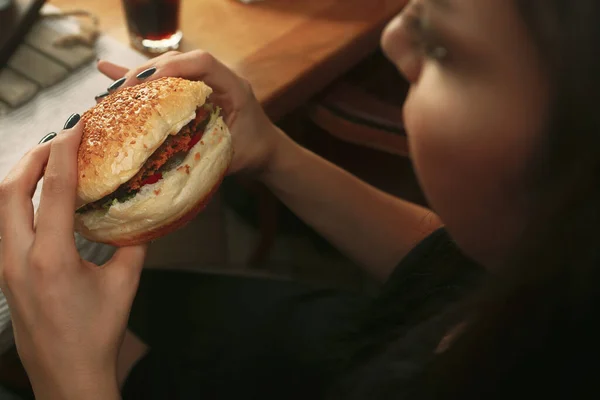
<point>398,45</point>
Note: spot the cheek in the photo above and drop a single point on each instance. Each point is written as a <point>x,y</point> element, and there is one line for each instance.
<point>444,142</point>
<point>439,156</point>
<point>471,159</point>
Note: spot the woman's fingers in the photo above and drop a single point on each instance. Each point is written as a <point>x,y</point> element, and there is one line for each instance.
<point>199,65</point>
<point>194,65</point>
<point>16,209</point>
<point>131,258</point>
<point>124,77</point>
<point>128,77</point>
<point>112,71</point>
<point>55,218</point>
<point>126,266</point>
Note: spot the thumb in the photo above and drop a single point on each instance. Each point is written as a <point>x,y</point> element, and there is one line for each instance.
<point>127,263</point>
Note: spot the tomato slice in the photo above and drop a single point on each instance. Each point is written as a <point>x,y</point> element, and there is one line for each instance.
<point>152,179</point>
<point>195,139</point>
<point>201,115</point>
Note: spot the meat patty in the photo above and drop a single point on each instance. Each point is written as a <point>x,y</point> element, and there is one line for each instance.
<point>176,144</point>
<point>187,137</point>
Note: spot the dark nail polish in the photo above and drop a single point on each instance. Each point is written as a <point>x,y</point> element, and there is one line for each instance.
<point>48,137</point>
<point>116,84</point>
<point>147,73</point>
<point>72,121</point>
<point>101,95</point>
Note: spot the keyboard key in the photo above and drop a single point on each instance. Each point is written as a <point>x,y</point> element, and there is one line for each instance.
<point>15,89</point>
<point>37,67</point>
<point>42,38</point>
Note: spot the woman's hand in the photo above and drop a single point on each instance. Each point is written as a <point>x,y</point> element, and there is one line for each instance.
<point>255,138</point>
<point>69,316</point>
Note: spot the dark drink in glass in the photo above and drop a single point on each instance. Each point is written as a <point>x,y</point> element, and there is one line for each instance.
<point>153,24</point>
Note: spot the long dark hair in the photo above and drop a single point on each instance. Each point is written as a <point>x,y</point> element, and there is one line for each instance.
<point>534,330</point>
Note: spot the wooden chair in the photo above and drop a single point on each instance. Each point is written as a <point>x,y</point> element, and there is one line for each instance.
<point>351,114</point>
<point>365,107</point>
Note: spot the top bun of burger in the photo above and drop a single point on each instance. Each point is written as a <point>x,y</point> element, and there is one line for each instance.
<point>121,132</point>
<point>123,136</point>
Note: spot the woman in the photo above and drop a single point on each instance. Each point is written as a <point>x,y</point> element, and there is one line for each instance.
<point>502,127</point>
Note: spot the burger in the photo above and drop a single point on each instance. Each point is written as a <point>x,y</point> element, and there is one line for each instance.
<point>151,157</point>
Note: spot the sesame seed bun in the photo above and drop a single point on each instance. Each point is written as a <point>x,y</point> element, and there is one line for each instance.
<point>122,131</point>
<point>120,134</point>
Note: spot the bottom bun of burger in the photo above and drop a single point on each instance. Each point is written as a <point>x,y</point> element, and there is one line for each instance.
<point>163,207</point>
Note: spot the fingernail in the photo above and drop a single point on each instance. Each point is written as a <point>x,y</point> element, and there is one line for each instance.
<point>48,138</point>
<point>116,84</point>
<point>101,95</point>
<point>72,121</point>
<point>145,74</point>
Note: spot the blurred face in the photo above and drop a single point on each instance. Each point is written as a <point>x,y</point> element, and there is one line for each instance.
<point>475,115</point>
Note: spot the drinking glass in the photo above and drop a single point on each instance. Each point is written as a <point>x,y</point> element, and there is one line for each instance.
<point>153,24</point>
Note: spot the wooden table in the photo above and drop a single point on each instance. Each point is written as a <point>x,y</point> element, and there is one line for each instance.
<point>288,49</point>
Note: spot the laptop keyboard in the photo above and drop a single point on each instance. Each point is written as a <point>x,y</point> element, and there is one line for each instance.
<point>38,64</point>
